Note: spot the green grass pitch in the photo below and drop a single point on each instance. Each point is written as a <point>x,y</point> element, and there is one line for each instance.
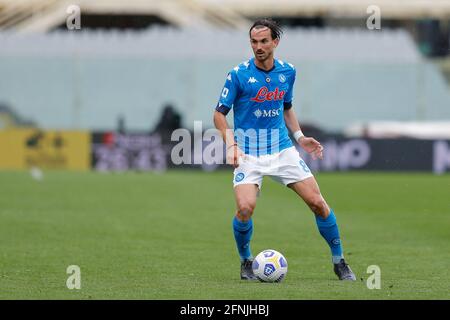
<point>169,236</point>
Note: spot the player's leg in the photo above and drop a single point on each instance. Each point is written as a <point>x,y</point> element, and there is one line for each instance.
<point>245,196</point>
<point>309,191</point>
<point>293,172</point>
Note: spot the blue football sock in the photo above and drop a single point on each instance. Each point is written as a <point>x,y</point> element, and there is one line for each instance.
<point>328,228</point>
<point>242,234</point>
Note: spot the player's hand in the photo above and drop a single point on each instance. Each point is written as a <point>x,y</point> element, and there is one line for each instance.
<point>233,155</point>
<point>312,146</point>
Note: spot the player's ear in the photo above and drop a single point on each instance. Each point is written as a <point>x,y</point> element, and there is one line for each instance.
<point>276,41</point>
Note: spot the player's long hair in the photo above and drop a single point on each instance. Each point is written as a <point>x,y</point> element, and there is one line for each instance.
<point>275,29</point>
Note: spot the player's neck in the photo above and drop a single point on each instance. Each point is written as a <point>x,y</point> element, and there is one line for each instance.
<point>266,64</point>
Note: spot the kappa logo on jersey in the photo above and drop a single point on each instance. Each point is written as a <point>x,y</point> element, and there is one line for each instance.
<point>265,95</point>
<point>252,80</point>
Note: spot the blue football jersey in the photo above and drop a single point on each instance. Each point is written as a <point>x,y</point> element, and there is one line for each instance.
<point>258,99</point>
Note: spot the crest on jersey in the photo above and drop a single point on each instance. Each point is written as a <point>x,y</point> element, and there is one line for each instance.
<point>282,78</point>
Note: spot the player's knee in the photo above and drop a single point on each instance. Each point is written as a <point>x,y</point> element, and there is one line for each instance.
<point>245,211</point>
<point>319,207</point>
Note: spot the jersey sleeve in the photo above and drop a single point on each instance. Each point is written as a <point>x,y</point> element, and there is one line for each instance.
<point>229,93</point>
<point>288,97</point>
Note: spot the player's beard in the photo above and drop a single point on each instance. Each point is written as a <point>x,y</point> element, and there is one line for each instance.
<point>262,57</point>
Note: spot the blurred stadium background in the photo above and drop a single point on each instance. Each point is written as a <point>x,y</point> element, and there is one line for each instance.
<point>142,66</point>
<point>103,91</point>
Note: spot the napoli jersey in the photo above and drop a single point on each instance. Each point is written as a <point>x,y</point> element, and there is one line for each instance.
<point>258,99</point>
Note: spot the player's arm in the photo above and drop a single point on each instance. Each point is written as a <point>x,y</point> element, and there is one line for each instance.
<point>232,151</point>
<point>226,101</point>
<point>308,144</point>
<point>221,124</point>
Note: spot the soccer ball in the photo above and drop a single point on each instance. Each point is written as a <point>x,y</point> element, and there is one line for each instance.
<point>270,266</point>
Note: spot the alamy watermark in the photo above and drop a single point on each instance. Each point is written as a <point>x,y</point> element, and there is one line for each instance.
<point>374,280</point>
<point>441,157</point>
<point>373,22</point>
<point>207,147</point>
<point>74,280</point>
<point>73,21</point>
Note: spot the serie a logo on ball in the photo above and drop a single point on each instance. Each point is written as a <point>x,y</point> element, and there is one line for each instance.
<point>270,266</point>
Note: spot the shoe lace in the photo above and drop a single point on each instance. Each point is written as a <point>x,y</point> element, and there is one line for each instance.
<point>346,269</point>
<point>343,266</point>
<point>248,263</point>
<point>343,263</point>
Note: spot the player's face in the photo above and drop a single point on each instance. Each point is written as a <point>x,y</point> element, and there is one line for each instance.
<point>262,43</point>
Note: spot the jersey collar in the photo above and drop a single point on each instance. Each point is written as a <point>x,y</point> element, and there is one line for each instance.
<point>265,71</point>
